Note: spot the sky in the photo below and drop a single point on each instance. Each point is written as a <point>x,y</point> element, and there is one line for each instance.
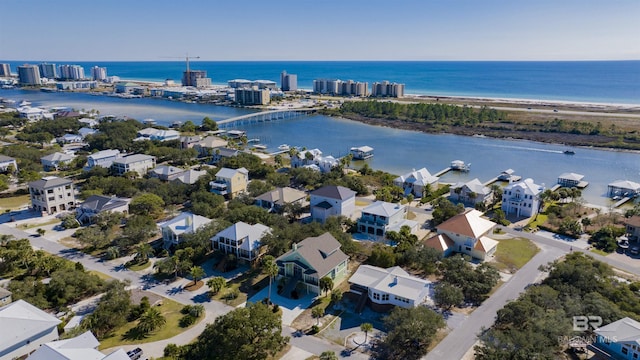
<point>162,30</point>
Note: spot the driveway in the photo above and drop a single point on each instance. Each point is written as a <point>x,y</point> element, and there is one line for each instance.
<point>291,308</point>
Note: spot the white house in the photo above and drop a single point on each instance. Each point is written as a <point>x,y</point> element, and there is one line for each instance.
<point>81,347</point>
<point>241,240</point>
<point>522,198</point>
<point>166,172</point>
<point>185,223</point>
<point>332,200</point>
<point>34,113</point>
<point>96,204</point>
<point>416,182</point>
<point>166,135</point>
<point>391,286</point>
<point>102,158</point>
<point>313,159</point>
<point>56,160</point>
<point>470,192</point>
<point>380,217</point>
<point>85,131</point>
<point>70,139</point>
<point>466,233</point>
<point>139,163</point>
<point>24,328</point>
<point>6,162</point>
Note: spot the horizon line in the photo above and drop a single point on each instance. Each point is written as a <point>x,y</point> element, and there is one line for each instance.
<point>335,60</point>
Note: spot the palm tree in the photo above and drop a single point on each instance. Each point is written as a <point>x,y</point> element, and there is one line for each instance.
<point>326,284</point>
<point>143,252</point>
<point>151,320</point>
<point>216,284</point>
<point>317,312</point>
<point>270,268</point>
<point>197,273</point>
<point>366,327</point>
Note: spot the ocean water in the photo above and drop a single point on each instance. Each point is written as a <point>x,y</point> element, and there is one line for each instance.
<point>582,81</point>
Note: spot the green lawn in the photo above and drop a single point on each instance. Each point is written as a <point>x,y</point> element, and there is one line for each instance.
<point>248,285</point>
<point>138,267</point>
<point>14,202</point>
<point>539,220</point>
<point>512,254</point>
<point>37,225</point>
<point>102,276</point>
<point>599,252</point>
<point>171,311</point>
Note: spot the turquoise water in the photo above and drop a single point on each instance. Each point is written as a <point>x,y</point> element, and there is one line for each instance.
<point>585,81</point>
<point>396,151</point>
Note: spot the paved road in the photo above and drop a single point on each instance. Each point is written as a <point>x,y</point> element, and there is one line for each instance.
<point>462,338</point>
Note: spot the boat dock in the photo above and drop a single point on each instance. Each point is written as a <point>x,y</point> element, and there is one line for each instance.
<point>443,171</point>
<point>622,201</point>
<point>506,175</point>
<point>556,187</point>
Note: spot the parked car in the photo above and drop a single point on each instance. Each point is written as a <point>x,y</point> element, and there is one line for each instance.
<point>135,354</point>
<point>634,249</point>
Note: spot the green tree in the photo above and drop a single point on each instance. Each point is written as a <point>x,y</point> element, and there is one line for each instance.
<point>208,124</point>
<point>151,320</point>
<point>270,268</point>
<point>111,312</point>
<point>93,236</point>
<point>143,252</point>
<point>139,228</point>
<point>447,296</point>
<point>197,273</point>
<point>336,296</point>
<point>444,209</point>
<point>326,284</point>
<point>216,284</point>
<point>147,204</point>
<point>328,355</point>
<point>410,332</point>
<point>317,312</point>
<point>605,238</point>
<point>41,231</point>
<point>251,333</point>
<point>366,328</point>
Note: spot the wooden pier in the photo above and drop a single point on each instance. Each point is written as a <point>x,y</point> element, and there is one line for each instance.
<point>443,171</point>
<point>491,181</point>
<point>622,201</point>
<point>556,187</point>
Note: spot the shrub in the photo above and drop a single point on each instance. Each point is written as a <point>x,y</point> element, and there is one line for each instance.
<point>186,321</point>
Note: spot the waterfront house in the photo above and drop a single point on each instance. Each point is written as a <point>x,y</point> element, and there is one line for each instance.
<point>104,158</point>
<point>220,153</point>
<point>632,226</point>
<point>125,87</point>
<point>85,131</point>
<point>52,194</point>
<point>56,161</point>
<point>165,135</point>
<point>146,133</point>
<point>391,286</point>
<point>87,211</point>
<point>276,199</point>
<point>570,179</point>
<point>332,200</point>
<point>241,240</point>
<point>187,142</point>
<point>618,340</point>
<point>416,182</point>
<point>623,188</point>
<point>89,122</point>
<point>466,233</point>
<point>471,192</point>
<point>230,182</point>
<point>6,162</point>
<point>34,113</point>
<point>5,296</point>
<point>186,223</point>
<point>362,152</point>
<point>165,172</point>
<point>138,163</point>
<point>81,347</point>
<point>312,259</point>
<point>24,328</point>
<point>66,113</point>
<point>70,139</point>
<point>190,176</point>
<point>380,217</point>
<point>313,159</point>
<point>522,198</point>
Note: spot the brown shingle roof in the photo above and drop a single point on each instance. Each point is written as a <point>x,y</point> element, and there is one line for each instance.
<point>469,223</point>
<point>633,221</point>
<point>322,253</point>
<point>436,242</point>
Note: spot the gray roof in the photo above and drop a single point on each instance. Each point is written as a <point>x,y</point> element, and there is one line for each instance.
<point>190,176</point>
<point>102,203</point>
<point>226,152</point>
<point>49,182</point>
<point>166,170</point>
<point>21,321</point>
<point>4,293</point>
<point>240,230</point>
<point>334,192</point>
<point>625,330</point>
<point>58,156</point>
<point>571,176</point>
<point>393,280</point>
<point>133,159</point>
<point>322,253</point>
<point>383,209</point>
<point>4,158</point>
<point>281,196</point>
<point>227,173</point>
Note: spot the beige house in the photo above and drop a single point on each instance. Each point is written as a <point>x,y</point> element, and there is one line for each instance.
<point>312,259</point>
<point>633,228</point>
<point>465,233</point>
<point>138,163</point>
<point>230,182</point>
<point>52,194</point>
<point>276,199</point>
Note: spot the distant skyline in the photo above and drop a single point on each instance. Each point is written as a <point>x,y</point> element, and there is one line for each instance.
<point>146,30</point>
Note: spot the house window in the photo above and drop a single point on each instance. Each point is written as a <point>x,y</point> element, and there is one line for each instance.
<point>376,296</point>
<point>625,351</point>
<point>468,248</point>
<point>385,297</point>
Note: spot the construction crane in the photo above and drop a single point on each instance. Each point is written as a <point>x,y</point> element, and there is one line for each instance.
<point>181,57</point>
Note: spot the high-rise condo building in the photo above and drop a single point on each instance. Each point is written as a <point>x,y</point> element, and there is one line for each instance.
<point>48,70</point>
<point>5,70</point>
<point>99,73</point>
<point>71,72</point>
<point>252,96</point>
<point>29,75</point>
<point>197,78</point>
<point>387,89</point>
<point>288,82</point>
<point>339,87</point>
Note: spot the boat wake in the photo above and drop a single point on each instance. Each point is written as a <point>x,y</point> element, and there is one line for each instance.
<point>528,149</point>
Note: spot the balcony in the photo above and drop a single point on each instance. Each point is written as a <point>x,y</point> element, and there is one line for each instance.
<point>372,221</point>
<point>219,188</point>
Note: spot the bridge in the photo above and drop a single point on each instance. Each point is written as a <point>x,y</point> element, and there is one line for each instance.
<point>264,116</point>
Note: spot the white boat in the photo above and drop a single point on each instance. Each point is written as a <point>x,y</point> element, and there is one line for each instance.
<point>261,147</point>
<point>24,103</point>
<point>284,147</point>
<point>253,140</point>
